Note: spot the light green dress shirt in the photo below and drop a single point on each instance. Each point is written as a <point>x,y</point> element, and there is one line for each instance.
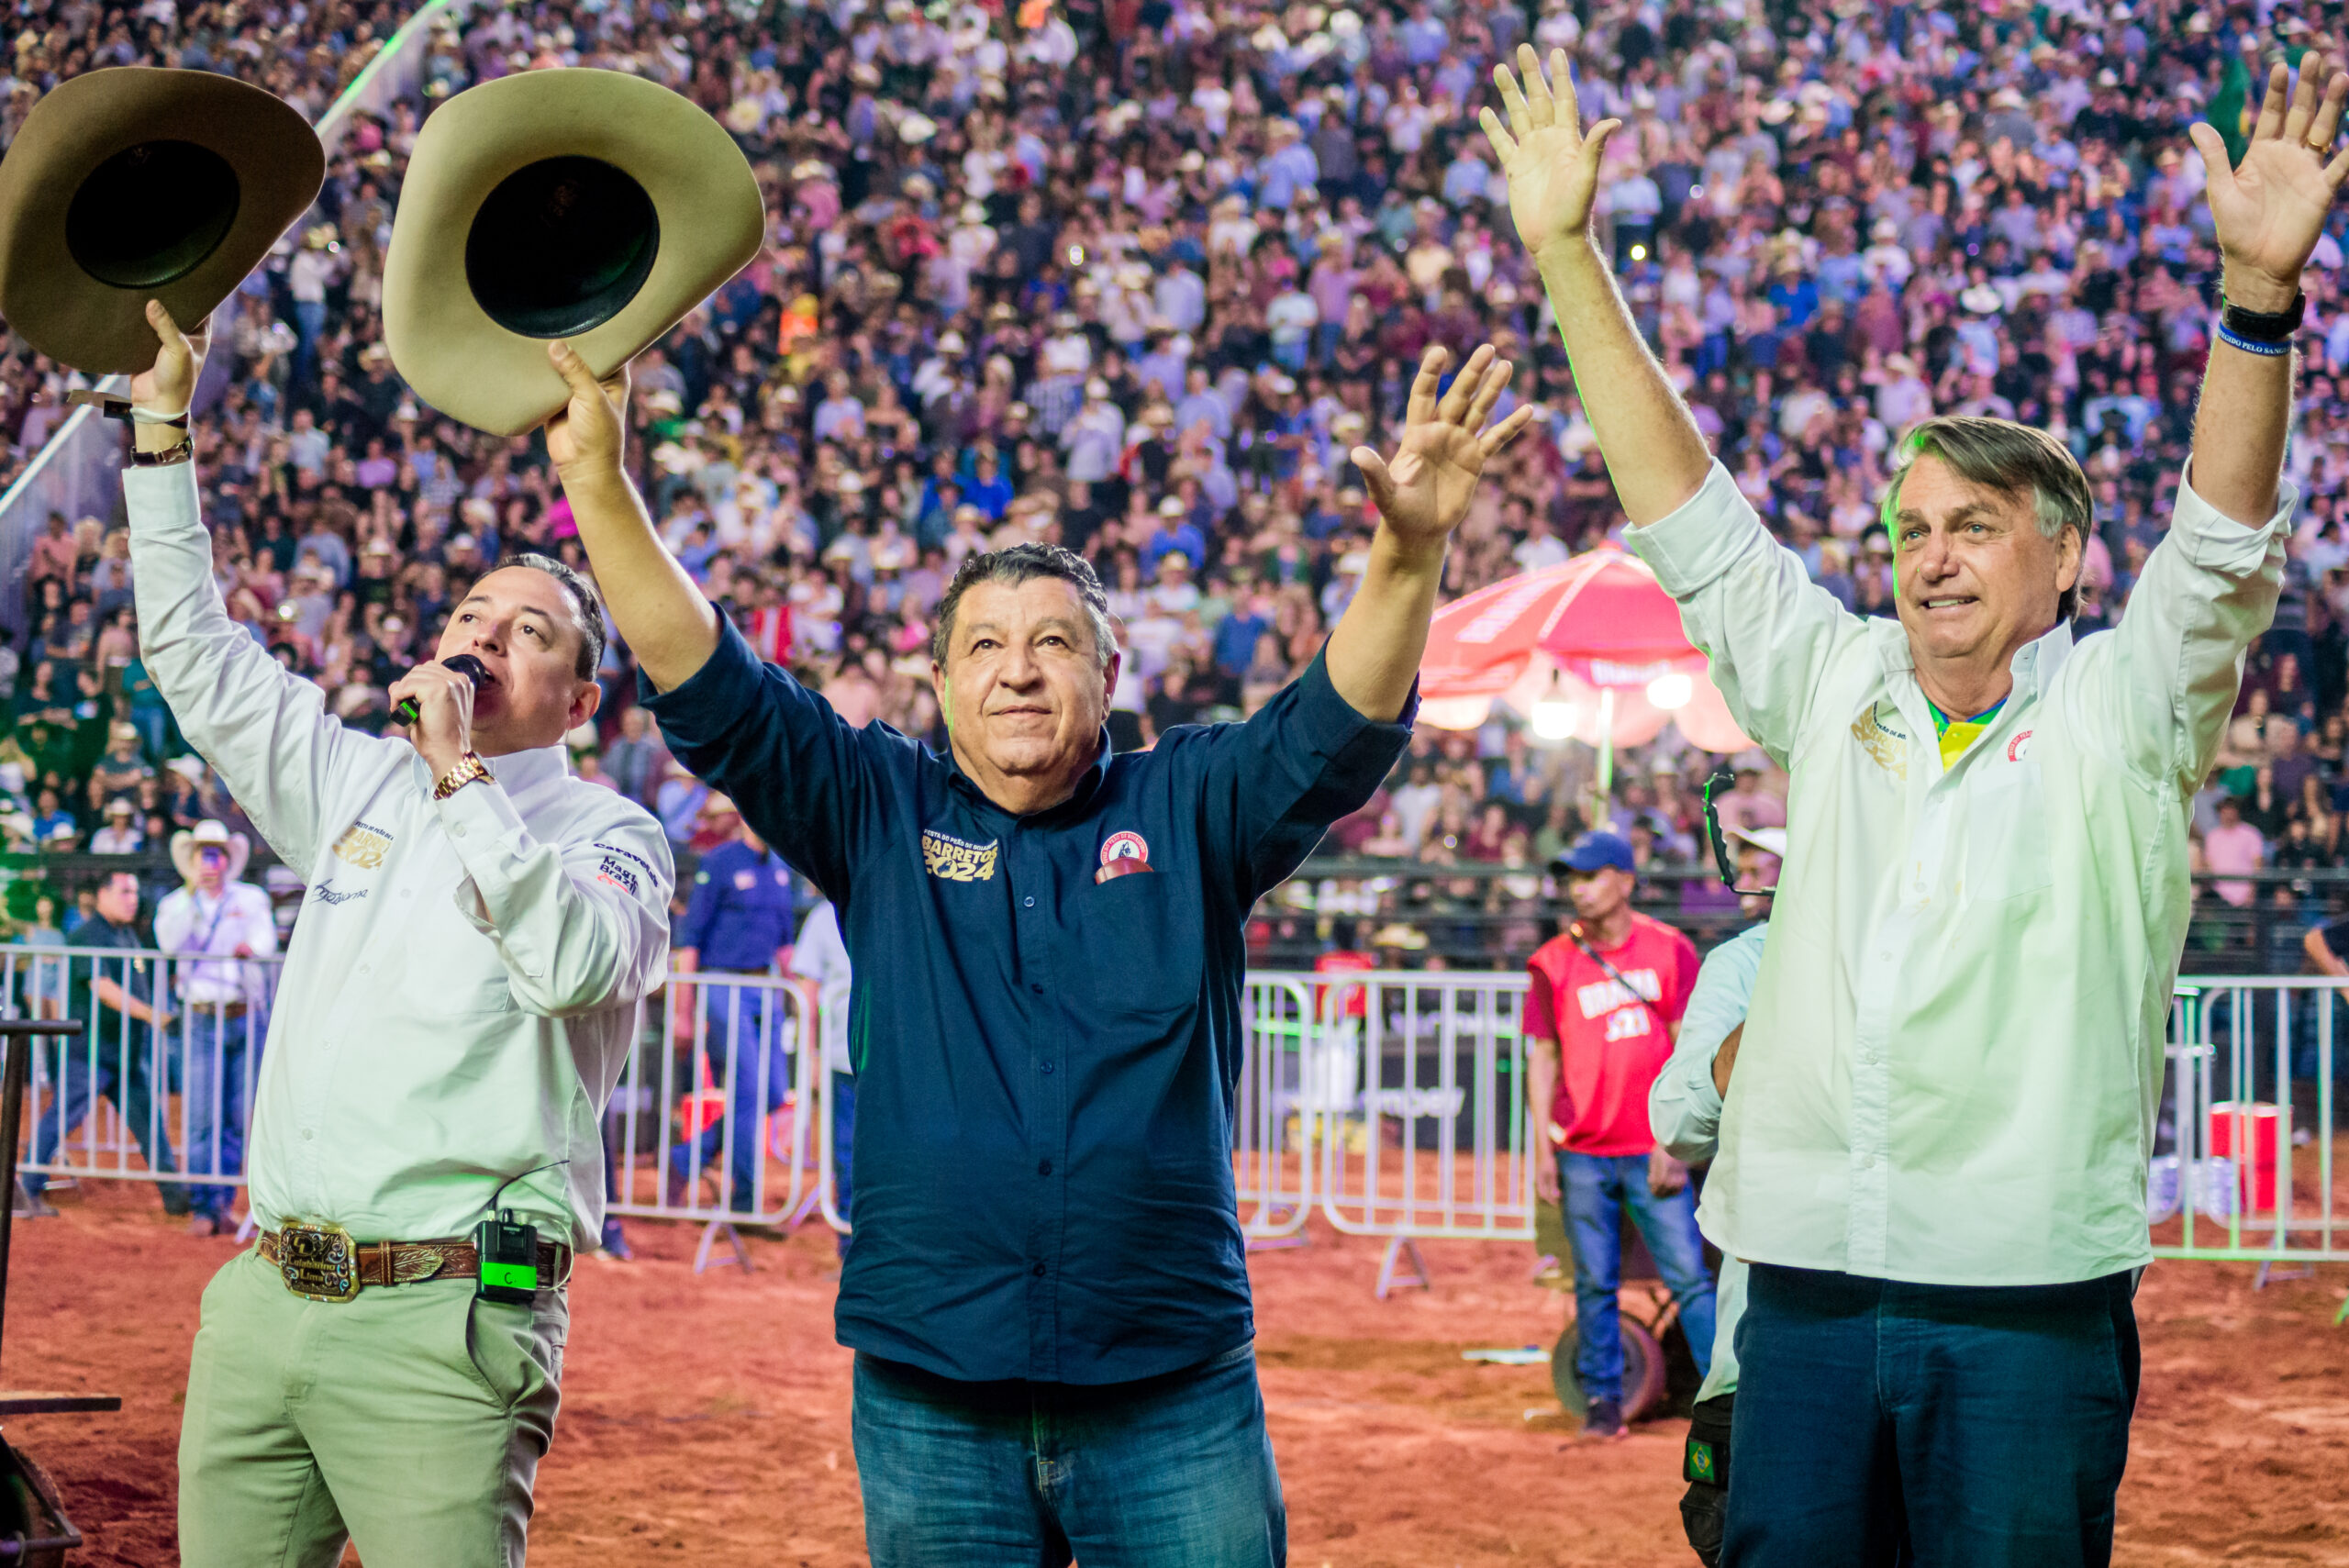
<point>1954,1059</point>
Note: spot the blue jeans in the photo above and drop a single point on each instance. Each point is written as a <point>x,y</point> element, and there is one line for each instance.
<point>1172,1472</point>
<point>215,1075</point>
<point>1597,1188</point>
<point>738,1012</point>
<point>843,1147</point>
<point>76,1082</point>
<point>1986,1424</point>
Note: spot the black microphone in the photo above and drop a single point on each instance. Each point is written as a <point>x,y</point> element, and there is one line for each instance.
<point>464,664</point>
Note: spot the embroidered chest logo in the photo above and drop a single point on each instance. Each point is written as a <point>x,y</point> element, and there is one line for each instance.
<point>2019,747</point>
<point>957,860</point>
<point>1122,855</point>
<point>363,846</point>
<point>325,892</point>
<point>1886,747</point>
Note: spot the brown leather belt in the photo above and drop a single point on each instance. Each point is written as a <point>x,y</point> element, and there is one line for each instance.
<point>323,1264</point>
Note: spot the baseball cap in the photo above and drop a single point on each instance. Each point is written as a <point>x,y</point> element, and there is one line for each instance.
<point>1593,851</point>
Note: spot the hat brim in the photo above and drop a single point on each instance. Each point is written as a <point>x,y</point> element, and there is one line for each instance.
<point>48,296</point>
<point>705,200</point>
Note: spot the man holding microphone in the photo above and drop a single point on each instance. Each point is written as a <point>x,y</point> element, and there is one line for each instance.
<point>459,998</point>
<point>1933,1146</point>
<point>1048,1295</point>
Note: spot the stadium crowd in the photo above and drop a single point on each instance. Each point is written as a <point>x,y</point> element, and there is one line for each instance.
<point>1134,276</point>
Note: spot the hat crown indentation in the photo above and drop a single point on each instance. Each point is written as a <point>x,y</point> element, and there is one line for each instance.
<point>561,246</point>
<point>152,214</point>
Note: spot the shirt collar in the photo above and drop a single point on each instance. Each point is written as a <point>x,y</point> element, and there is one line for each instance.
<point>1086,784</point>
<point>2034,666</point>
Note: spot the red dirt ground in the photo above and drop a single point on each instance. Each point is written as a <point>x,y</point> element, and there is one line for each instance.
<point>707,1418</point>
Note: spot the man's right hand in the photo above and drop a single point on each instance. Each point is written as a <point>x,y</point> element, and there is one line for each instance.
<point>1551,163</point>
<point>169,385</point>
<point>586,435</point>
<point>1545,1174</point>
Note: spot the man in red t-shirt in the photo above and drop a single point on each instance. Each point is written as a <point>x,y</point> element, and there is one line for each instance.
<point>1599,1020</point>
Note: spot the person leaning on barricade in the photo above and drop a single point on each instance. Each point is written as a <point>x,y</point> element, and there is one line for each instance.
<point>211,923</point>
<point>459,998</point>
<point>1048,1294</point>
<point>1933,1149</point>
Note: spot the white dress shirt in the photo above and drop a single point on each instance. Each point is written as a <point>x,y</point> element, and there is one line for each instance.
<point>1953,1059</point>
<point>462,985</point>
<point>190,920</point>
<point>1685,1112</point>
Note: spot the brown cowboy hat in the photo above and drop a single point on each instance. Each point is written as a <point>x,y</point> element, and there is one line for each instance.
<point>586,204</point>
<point>134,184</point>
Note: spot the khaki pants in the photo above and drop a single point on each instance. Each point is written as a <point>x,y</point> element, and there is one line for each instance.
<point>410,1420</point>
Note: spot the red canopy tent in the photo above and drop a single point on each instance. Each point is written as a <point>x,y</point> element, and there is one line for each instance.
<point>1591,648</point>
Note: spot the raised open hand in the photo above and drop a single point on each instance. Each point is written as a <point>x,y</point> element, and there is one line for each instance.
<point>2269,209</point>
<point>1550,163</point>
<point>1424,493</point>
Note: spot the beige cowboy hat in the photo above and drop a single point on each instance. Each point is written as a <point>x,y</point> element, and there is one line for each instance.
<point>134,184</point>
<point>586,204</point>
<point>185,845</point>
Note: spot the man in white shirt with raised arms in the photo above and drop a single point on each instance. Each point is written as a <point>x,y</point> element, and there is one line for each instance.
<point>459,997</point>
<point>1933,1149</point>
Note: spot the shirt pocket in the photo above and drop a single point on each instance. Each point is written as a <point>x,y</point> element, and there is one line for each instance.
<point>2006,832</point>
<point>1143,944</point>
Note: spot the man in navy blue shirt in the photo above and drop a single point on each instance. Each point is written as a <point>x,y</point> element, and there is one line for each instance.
<point>1048,1293</point>
<point>738,922</point>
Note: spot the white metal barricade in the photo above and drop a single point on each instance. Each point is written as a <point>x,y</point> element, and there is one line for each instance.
<point>128,1100</point>
<point>1274,1109</point>
<point>701,1120</point>
<point>1411,1095</point>
<point>2245,1160</point>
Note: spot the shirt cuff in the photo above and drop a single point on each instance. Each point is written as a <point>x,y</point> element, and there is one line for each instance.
<point>1701,538</point>
<point>162,495</point>
<point>2215,542</point>
<point>1329,721</point>
<point>713,698</point>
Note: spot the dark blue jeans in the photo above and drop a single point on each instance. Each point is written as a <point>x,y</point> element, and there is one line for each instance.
<point>740,1012</point>
<point>126,1076</point>
<point>843,1148</point>
<point>1987,1424</point>
<point>1597,1188</point>
<point>1172,1472</point>
<point>215,1077</point>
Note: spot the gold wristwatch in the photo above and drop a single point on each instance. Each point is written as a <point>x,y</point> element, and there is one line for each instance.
<point>469,768</point>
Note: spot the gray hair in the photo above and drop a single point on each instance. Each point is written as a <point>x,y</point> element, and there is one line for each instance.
<point>1023,563</point>
<point>1999,454</point>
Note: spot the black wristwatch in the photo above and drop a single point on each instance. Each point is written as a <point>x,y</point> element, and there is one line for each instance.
<point>2263,326</point>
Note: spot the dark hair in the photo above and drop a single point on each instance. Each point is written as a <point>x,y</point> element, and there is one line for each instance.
<point>1021,563</point>
<point>2001,455</point>
<point>587,604</point>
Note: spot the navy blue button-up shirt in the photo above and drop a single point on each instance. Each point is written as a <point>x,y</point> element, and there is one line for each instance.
<point>1045,1057</point>
<point>741,913</point>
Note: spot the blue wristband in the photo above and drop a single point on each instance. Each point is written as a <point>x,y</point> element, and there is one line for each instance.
<point>2232,339</point>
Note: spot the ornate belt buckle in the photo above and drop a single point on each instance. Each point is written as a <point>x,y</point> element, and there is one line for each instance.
<point>321,1263</point>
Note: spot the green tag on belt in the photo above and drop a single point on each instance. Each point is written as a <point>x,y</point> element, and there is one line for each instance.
<point>1698,1464</point>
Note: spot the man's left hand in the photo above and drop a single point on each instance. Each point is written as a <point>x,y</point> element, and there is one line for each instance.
<point>2269,209</point>
<point>1423,495</point>
<point>1667,1176</point>
<point>444,714</point>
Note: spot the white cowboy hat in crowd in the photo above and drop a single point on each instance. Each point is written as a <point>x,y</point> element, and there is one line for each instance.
<point>184,846</point>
